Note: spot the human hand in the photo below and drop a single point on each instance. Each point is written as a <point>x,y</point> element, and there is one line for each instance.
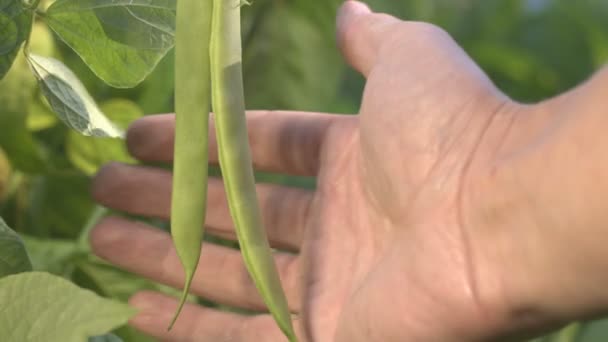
<point>386,248</point>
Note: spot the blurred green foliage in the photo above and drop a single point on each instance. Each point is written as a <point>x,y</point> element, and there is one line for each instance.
<point>532,49</point>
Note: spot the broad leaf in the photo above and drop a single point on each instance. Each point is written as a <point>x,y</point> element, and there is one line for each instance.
<point>122,41</point>
<point>70,100</point>
<point>46,216</point>
<point>52,255</point>
<point>13,257</point>
<point>144,24</point>
<point>117,284</point>
<point>43,307</point>
<point>15,26</point>
<point>89,155</point>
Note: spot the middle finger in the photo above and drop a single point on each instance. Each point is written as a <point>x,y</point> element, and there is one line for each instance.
<point>147,191</point>
<point>221,276</point>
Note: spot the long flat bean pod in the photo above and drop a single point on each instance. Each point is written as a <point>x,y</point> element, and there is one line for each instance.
<point>235,159</point>
<point>192,104</point>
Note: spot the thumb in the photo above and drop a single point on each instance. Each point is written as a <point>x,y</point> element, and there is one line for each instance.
<point>360,33</point>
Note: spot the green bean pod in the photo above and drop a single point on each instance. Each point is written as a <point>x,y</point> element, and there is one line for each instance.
<point>192,104</point>
<point>235,159</point>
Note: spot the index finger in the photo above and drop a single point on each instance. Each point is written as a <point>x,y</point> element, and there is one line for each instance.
<point>281,141</point>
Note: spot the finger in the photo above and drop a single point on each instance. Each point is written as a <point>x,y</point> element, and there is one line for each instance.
<point>221,277</point>
<point>282,142</point>
<point>361,33</point>
<point>197,323</point>
<point>146,191</point>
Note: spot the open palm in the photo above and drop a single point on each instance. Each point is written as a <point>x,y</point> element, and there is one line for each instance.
<point>385,248</point>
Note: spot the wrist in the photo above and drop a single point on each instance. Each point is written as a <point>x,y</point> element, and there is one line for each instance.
<point>535,196</point>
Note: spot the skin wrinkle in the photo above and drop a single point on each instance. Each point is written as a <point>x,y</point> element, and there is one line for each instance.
<point>470,267</point>
<point>445,151</point>
<point>507,131</point>
<point>370,253</point>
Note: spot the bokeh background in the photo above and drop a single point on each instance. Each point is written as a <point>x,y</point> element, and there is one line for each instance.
<point>532,49</point>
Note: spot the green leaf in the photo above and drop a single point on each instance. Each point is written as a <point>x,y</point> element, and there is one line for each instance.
<point>70,100</point>
<point>52,255</point>
<point>115,283</point>
<point>43,307</point>
<point>13,256</point>
<point>15,26</point>
<point>46,216</point>
<point>122,41</point>
<point>144,24</point>
<point>88,154</point>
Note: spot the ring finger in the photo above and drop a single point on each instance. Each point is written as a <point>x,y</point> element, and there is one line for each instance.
<point>221,277</point>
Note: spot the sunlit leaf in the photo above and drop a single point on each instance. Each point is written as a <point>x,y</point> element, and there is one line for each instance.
<point>120,40</point>
<point>70,100</point>
<point>89,155</point>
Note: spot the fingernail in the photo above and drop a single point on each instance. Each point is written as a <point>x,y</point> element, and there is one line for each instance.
<point>352,7</point>
<point>349,10</point>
